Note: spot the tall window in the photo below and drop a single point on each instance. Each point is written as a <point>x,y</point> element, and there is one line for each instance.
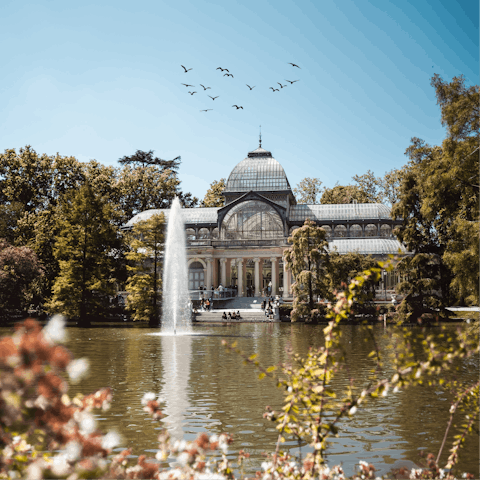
<point>253,220</point>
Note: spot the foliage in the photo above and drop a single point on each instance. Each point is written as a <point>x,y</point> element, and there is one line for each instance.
<point>214,197</point>
<point>439,200</point>
<point>378,189</point>
<point>345,194</point>
<point>85,249</point>
<point>371,185</point>
<point>313,410</point>
<point>19,272</point>
<point>308,191</point>
<point>147,182</point>
<point>342,267</point>
<point>144,285</point>
<point>307,260</point>
<point>10,213</point>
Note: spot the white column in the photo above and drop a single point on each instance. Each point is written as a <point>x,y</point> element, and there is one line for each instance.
<point>209,273</point>
<point>274,275</point>
<point>239,263</point>
<point>257,277</point>
<point>223,271</point>
<point>286,280</point>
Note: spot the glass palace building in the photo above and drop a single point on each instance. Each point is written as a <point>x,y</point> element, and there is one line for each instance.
<point>242,243</point>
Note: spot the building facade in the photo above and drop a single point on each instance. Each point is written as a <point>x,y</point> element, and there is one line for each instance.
<point>242,243</point>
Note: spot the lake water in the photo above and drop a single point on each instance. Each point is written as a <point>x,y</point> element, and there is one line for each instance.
<point>206,389</point>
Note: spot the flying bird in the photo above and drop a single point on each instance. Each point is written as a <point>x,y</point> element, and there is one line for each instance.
<point>237,107</point>
<point>186,70</point>
<point>206,110</point>
<point>281,86</point>
<point>222,69</point>
<point>251,88</point>
<point>228,75</point>
<point>274,89</point>
<point>191,93</point>
<point>205,88</point>
<point>293,65</point>
<point>292,81</point>
<point>188,85</point>
<point>213,98</point>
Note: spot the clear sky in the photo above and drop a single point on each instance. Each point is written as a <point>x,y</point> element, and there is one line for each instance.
<point>101,79</point>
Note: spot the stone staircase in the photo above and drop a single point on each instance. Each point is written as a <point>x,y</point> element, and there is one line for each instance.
<point>250,310</point>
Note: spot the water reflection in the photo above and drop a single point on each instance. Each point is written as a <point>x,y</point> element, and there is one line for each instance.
<point>176,359</point>
<point>208,390</point>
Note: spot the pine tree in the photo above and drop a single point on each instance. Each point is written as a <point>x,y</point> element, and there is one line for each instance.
<point>85,249</point>
<point>145,285</point>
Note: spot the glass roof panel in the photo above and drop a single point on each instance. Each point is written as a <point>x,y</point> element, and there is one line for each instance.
<point>374,246</point>
<point>190,215</point>
<point>350,211</point>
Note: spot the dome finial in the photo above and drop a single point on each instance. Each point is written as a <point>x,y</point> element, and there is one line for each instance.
<point>260,145</point>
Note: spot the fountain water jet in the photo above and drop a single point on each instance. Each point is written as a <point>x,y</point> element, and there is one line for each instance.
<point>176,316</point>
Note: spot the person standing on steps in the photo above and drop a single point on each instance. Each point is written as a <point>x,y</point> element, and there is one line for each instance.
<point>269,288</point>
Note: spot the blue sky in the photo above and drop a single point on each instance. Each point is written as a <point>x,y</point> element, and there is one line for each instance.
<point>101,79</point>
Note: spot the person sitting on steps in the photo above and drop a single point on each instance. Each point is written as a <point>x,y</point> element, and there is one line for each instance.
<point>238,315</point>
<point>224,316</point>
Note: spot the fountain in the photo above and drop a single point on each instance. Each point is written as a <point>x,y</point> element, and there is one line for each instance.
<point>176,314</point>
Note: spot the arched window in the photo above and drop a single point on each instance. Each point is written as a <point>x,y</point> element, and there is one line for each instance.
<point>371,230</point>
<point>355,231</point>
<point>190,234</point>
<point>340,231</point>
<point>253,220</point>
<point>385,231</point>
<point>203,233</point>
<point>215,233</point>
<point>328,230</point>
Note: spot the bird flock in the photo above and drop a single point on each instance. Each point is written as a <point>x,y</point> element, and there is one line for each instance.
<point>230,75</point>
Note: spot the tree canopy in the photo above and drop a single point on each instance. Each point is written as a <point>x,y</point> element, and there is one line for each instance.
<point>145,265</point>
<point>308,191</point>
<point>214,197</point>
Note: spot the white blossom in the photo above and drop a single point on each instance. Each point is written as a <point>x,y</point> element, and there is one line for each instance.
<point>111,440</point>
<point>86,422</point>
<point>352,410</point>
<point>73,450</point>
<point>76,369</point>
<point>60,465</point>
<point>183,458</point>
<point>54,331</point>
<point>148,397</point>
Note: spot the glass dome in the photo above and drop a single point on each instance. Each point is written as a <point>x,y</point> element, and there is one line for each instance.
<point>252,220</point>
<point>258,172</point>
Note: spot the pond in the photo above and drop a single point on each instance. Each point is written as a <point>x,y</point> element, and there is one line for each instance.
<point>206,389</point>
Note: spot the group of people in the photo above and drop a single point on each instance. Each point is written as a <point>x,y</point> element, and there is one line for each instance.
<point>205,304</point>
<point>231,316</point>
<point>268,305</point>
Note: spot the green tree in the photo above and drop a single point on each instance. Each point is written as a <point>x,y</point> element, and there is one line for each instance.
<point>308,191</point>
<point>144,285</point>
<point>341,268</point>
<point>19,269</point>
<point>307,259</point>
<point>426,279</point>
<point>371,185</point>
<point>214,197</point>
<point>85,248</point>
<point>25,178</point>
<point>345,194</point>
<point>147,182</point>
